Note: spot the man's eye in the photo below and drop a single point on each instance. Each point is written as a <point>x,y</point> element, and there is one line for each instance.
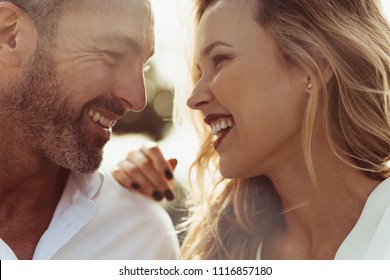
<point>146,67</point>
<point>112,57</point>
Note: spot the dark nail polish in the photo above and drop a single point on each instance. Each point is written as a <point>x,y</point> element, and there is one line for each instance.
<point>157,196</point>
<point>135,186</point>
<point>169,195</point>
<point>168,174</point>
<point>173,163</point>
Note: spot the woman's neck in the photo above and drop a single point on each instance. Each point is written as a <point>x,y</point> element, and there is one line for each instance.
<point>319,217</point>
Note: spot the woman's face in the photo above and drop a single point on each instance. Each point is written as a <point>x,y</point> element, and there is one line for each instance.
<point>253,100</point>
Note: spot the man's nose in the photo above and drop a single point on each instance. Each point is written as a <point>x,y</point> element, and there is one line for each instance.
<point>131,91</point>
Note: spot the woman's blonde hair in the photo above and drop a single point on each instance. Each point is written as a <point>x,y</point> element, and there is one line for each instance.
<point>351,39</point>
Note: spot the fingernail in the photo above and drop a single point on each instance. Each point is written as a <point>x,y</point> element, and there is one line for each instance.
<point>135,186</point>
<point>169,195</point>
<point>168,174</point>
<point>173,163</point>
<point>157,196</point>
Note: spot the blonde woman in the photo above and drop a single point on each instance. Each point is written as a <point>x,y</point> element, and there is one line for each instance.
<point>296,93</point>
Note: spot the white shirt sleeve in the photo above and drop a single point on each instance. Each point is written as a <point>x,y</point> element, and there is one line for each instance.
<point>5,252</point>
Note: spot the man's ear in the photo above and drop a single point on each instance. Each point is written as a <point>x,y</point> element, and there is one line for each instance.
<point>15,30</point>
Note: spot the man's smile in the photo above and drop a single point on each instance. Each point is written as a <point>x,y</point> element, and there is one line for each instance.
<point>100,118</point>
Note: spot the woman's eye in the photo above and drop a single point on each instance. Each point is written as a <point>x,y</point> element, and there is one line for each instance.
<point>217,59</point>
<point>198,73</point>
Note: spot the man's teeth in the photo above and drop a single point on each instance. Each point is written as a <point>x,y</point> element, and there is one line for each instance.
<point>221,124</point>
<point>98,118</point>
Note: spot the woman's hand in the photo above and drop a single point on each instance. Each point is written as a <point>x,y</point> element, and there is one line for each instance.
<point>148,172</point>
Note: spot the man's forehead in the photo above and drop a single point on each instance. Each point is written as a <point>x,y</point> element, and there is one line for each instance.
<point>111,16</point>
<point>98,6</point>
<point>115,22</point>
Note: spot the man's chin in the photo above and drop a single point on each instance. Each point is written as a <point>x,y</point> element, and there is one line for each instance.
<point>86,170</point>
<point>82,162</point>
<point>89,166</point>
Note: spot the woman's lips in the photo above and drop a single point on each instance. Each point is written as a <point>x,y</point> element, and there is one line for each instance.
<point>220,124</point>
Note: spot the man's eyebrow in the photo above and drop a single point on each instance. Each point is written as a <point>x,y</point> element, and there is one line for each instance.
<point>120,39</point>
<point>212,45</point>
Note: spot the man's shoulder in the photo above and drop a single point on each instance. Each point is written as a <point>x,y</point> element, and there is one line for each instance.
<point>124,224</point>
<point>113,198</point>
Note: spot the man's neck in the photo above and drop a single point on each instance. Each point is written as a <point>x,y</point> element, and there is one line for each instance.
<point>27,203</point>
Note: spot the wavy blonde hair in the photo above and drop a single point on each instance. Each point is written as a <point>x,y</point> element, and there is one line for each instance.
<point>352,38</point>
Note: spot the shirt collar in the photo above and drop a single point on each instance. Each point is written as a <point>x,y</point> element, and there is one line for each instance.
<point>88,184</point>
<point>74,210</point>
<point>5,252</point>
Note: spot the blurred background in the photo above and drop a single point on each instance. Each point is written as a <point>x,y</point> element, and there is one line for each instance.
<point>168,71</point>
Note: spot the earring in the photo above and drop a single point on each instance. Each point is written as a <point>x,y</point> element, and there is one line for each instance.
<point>309,85</point>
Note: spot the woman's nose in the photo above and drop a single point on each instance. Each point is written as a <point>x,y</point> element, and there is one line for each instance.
<point>201,95</point>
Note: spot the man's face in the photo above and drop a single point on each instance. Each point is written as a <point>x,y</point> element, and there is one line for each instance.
<point>72,94</point>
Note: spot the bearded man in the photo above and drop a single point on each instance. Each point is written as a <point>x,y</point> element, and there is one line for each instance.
<point>69,70</point>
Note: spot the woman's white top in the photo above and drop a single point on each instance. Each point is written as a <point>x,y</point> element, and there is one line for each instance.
<point>370,237</point>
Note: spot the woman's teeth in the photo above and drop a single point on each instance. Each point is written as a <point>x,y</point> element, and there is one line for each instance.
<point>102,120</point>
<point>221,124</point>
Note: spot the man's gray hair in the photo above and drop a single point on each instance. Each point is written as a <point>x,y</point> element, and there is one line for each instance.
<point>44,13</point>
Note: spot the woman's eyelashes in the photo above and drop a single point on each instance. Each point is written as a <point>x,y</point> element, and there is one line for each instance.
<point>215,60</point>
<point>219,58</point>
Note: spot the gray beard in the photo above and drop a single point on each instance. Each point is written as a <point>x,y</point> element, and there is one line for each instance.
<point>39,109</point>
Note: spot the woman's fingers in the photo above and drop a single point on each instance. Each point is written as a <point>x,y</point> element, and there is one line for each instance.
<point>138,179</point>
<point>126,181</point>
<point>149,165</point>
<point>148,172</point>
<point>153,152</point>
<point>173,163</point>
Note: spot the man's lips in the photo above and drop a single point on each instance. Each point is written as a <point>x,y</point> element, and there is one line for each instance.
<point>105,119</point>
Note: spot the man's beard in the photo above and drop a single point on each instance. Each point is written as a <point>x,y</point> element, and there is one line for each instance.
<point>44,114</point>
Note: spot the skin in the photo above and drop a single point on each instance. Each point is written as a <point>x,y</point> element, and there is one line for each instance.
<point>267,103</point>
<point>95,62</point>
<point>148,172</point>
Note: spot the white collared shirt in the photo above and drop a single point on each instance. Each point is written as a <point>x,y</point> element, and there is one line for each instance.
<point>370,237</point>
<point>96,218</point>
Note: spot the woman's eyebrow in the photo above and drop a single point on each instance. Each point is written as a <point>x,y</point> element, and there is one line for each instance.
<point>212,45</point>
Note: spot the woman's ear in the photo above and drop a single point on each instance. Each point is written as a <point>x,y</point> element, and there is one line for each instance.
<point>327,74</point>
<point>15,33</point>
<point>308,84</point>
